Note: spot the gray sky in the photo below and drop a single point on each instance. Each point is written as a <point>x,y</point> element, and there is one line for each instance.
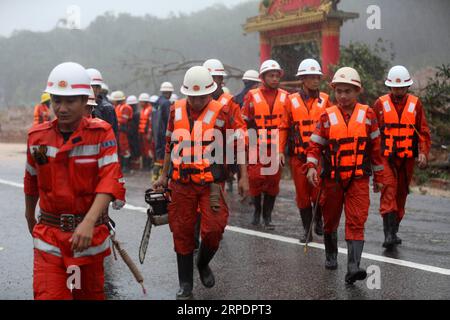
<point>42,15</point>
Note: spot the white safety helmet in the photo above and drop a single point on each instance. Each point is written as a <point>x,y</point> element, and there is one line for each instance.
<point>215,67</point>
<point>117,96</point>
<point>105,87</point>
<point>399,77</point>
<point>166,87</point>
<point>347,75</point>
<point>154,99</point>
<point>69,79</point>
<point>251,75</point>
<point>270,65</point>
<point>198,82</point>
<point>144,97</point>
<point>309,67</point>
<point>96,77</point>
<point>132,100</point>
<point>91,100</point>
<point>173,98</point>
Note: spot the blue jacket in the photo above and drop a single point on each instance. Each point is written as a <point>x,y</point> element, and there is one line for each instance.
<point>105,111</point>
<point>162,117</point>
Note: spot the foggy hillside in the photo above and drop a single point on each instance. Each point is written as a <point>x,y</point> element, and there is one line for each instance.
<point>126,49</point>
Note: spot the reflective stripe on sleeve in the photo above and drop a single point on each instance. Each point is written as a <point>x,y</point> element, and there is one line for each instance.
<point>108,160</point>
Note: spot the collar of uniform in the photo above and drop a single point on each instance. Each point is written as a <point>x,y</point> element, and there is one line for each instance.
<point>77,133</point>
<point>306,97</point>
<point>401,102</point>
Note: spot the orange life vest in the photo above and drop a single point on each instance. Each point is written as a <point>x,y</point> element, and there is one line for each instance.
<point>144,119</point>
<point>304,120</point>
<point>347,143</point>
<point>267,121</point>
<point>124,113</point>
<point>398,136</point>
<point>41,114</point>
<point>189,161</point>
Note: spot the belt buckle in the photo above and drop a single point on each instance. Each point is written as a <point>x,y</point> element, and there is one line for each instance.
<point>67,222</point>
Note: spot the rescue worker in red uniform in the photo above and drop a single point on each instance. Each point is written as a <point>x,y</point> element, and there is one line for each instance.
<point>73,171</point>
<point>348,133</point>
<point>217,71</point>
<point>42,111</point>
<point>405,136</point>
<point>304,109</point>
<point>145,130</point>
<point>265,112</point>
<point>124,114</point>
<point>195,180</point>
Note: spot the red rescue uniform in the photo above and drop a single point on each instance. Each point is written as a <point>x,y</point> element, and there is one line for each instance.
<point>265,110</point>
<point>303,115</point>
<point>41,114</point>
<point>190,182</point>
<point>67,177</point>
<point>124,114</point>
<point>405,122</point>
<point>352,151</point>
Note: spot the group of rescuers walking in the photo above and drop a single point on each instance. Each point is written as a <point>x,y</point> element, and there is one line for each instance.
<point>73,166</point>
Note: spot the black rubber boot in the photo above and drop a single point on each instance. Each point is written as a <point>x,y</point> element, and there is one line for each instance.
<point>354,272</point>
<point>204,256</point>
<point>318,224</point>
<point>268,204</point>
<point>389,220</point>
<point>257,213</point>
<point>146,164</point>
<point>306,217</point>
<point>331,250</point>
<point>185,276</point>
<point>125,165</point>
<point>197,234</point>
<point>396,238</point>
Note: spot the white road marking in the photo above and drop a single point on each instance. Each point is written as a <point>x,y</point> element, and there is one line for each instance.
<point>294,241</point>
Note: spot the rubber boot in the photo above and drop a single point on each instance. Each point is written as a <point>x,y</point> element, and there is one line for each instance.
<point>354,272</point>
<point>389,220</point>
<point>257,213</point>
<point>268,204</point>
<point>331,250</point>
<point>204,256</point>
<point>396,238</point>
<point>185,276</point>
<point>306,217</point>
<point>125,165</point>
<point>318,224</point>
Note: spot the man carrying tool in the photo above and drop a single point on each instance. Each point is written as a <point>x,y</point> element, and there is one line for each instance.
<point>405,136</point>
<point>349,135</point>
<point>72,169</point>
<point>196,180</point>
<point>304,109</point>
<point>265,112</point>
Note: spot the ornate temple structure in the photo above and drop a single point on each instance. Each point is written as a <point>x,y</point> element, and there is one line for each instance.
<point>291,30</point>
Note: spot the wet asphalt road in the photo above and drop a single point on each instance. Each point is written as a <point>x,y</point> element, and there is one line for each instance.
<point>247,266</point>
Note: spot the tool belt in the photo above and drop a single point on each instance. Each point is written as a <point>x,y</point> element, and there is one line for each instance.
<point>67,222</point>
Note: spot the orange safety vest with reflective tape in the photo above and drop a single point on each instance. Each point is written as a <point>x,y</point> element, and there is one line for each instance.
<point>397,135</point>
<point>190,145</point>
<point>304,120</point>
<point>144,120</point>
<point>265,120</point>
<point>347,142</point>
